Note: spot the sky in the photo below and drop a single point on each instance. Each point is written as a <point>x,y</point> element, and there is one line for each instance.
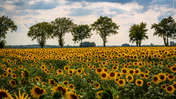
<point>124,13</point>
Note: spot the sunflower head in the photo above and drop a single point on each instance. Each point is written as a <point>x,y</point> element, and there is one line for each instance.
<point>5,94</point>
<point>36,91</point>
<point>139,82</point>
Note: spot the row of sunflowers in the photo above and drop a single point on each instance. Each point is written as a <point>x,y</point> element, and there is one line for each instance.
<point>88,73</point>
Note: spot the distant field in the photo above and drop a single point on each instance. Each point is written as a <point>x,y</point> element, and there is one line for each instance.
<point>89,73</point>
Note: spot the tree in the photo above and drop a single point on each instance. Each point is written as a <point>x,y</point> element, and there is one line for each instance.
<point>104,26</point>
<point>6,24</point>
<point>81,32</point>
<point>61,26</point>
<point>41,32</point>
<point>166,29</point>
<point>138,33</point>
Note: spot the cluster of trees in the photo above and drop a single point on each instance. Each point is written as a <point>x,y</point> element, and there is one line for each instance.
<point>104,26</point>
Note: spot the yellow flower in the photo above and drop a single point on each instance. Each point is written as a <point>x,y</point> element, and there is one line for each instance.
<point>21,96</point>
<point>139,82</point>
<point>71,95</point>
<point>129,78</point>
<point>5,94</point>
<point>36,91</point>
<point>170,89</point>
<point>121,82</point>
<point>59,88</point>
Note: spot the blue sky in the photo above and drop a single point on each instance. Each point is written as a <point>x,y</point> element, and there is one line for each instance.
<point>125,13</point>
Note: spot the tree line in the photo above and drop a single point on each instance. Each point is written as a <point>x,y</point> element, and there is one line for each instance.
<point>104,26</point>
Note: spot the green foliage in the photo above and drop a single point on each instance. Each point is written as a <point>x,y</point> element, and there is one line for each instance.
<point>165,29</point>
<point>81,32</point>
<point>2,44</point>
<point>41,32</point>
<point>138,33</point>
<point>104,26</point>
<point>61,26</point>
<point>87,44</point>
<point>6,24</point>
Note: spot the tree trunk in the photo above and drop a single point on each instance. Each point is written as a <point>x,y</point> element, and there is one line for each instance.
<point>61,42</point>
<point>104,43</point>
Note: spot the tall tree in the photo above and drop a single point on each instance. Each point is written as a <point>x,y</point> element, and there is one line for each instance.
<point>81,32</point>
<point>61,26</point>
<point>166,29</point>
<point>104,26</point>
<point>6,24</point>
<point>138,33</point>
<point>41,32</point>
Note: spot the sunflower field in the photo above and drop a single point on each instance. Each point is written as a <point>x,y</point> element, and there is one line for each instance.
<point>88,73</point>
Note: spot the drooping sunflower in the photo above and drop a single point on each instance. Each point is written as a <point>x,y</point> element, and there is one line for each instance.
<point>170,89</point>
<point>170,77</point>
<point>52,82</point>
<point>71,95</point>
<point>99,94</point>
<point>139,82</point>
<point>129,78</point>
<point>121,82</point>
<point>5,94</point>
<point>37,78</point>
<point>36,91</point>
<point>173,69</point>
<point>59,88</point>
<point>13,83</point>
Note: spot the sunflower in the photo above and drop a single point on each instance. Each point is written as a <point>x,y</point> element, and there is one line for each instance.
<point>170,89</point>
<point>65,82</point>
<point>118,74</point>
<point>137,71</point>
<point>162,76</point>
<point>170,77</point>
<point>13,75</point>
<point>163,86</point>
<point>121,82</point>
<point>59,72</point>
<point>71,86</point>
<point>9,70</point>
<point>174,84</point>
<point>112,75</point>
<point>148,83</point>
<point>71,95</point>
<point>66,68</point>
<point>156,79</point>
<point>13,83</point>
<point>99,70</point>
<point>37,78</point>
<point>139,82</point>
<point>5,75</point>
<point>97,85</point>
<point>124,70</point>
<point>131,71</point>
<point>104,75</point>
<point>129,78</point>
<point>52,82</point>
<point>36,91</point>
<point>173,69</point>
<point>79,71</point>
<point>5,94</point>
<point>99,94</point>
<point>59,88</point>
<point>21,96</point>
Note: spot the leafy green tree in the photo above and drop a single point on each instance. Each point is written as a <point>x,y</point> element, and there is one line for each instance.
<point>138,33</point>
<point>41,32</point>
<point>81,32</point>
<point>104,26</point>
<point>6,24</point>
<point>166,29</point>
<point>61,26</point>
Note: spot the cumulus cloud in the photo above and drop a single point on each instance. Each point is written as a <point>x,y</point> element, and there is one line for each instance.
<point>84,12</point>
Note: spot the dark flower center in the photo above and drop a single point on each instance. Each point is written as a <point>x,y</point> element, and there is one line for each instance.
<point>3,94</point>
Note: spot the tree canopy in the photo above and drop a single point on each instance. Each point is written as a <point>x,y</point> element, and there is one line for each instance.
<point>104,26</point>
<point>81,32</point>
<point>61,26</point>
<point>41,32</point>
<point>166,29</point>
<point>138,33</point>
